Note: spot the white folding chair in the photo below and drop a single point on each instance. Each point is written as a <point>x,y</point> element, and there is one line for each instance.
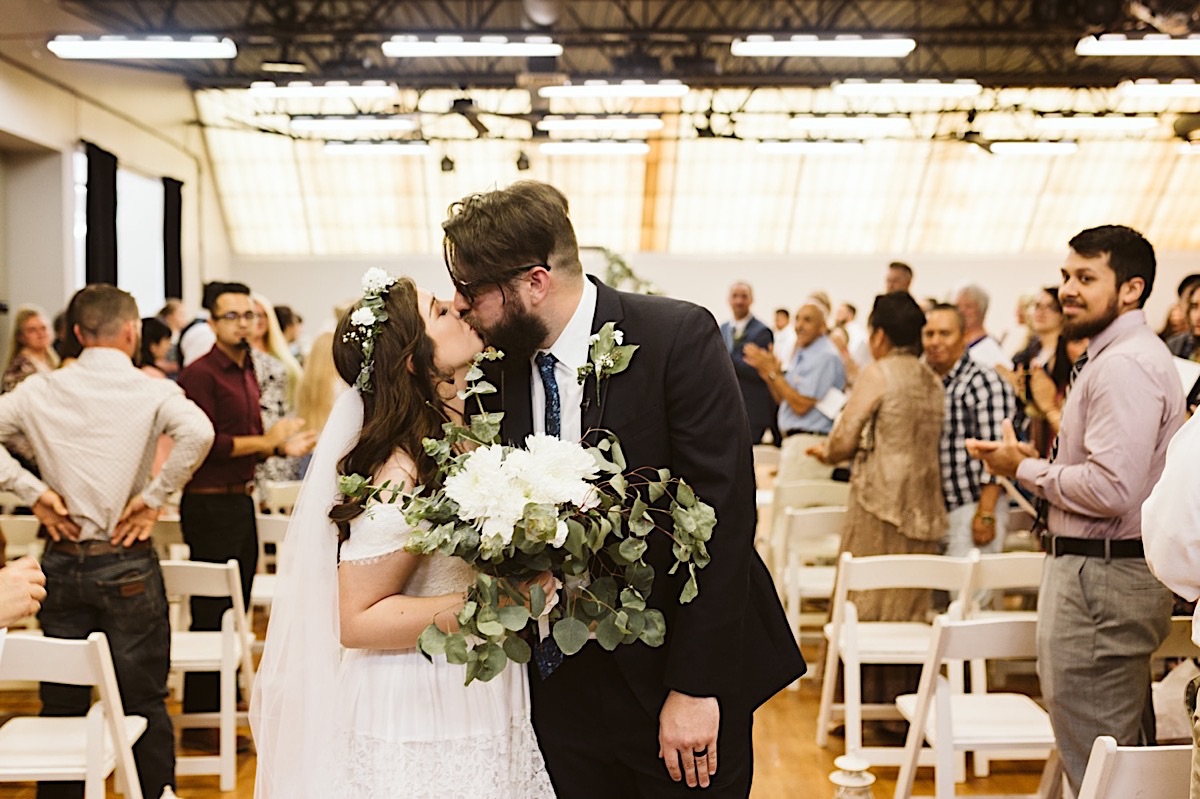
<point>799,494</point>
<point>10,502</point>
<point>271,530</point>
<point>811,536</point>
<point>766,457</point>
<point>1131,772</point>
<point>166,535</point>
<point>21,537</point>
<point>221,652</point>
<point>955,723</point>
<point>996,573</point>
<point>854,643</point>
<point>84,749</point>
<point>279,496</point>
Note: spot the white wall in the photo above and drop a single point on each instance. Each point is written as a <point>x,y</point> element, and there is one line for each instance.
<point>312,286</point>
<point>147,120</point>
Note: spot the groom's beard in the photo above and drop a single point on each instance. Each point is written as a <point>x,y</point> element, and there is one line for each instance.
<point>519,334</point>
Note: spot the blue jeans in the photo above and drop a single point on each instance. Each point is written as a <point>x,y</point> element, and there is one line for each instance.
<point>122,596</point>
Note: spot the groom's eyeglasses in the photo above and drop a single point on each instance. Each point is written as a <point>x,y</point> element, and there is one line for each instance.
<point>470,289</point>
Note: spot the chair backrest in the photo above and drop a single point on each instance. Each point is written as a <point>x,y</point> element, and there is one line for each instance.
<point>765,456</point>
<point>10,502</point>
<point>280,495</point>
<point>1008,570</point>
<point>21,536</point>
<point>810,494</point>
<point>983,639</point>
<point>1178,643</point>
<point>271,530</point>
<point>904,571</point>
<point>813,532</point>
<point>71,662</point>
<point>1136,772</point>
<point>186,578</point>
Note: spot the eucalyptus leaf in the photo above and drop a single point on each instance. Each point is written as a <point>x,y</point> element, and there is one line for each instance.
<point>608,635</point>
<point>456,648</point>
<point>517,649</point>
<point>656,489</point>
<point>537,600</point>
<point>492,661</point>
<point>684,495</point>
<point>690,589</point>
<point>632,549</point>
<point>514,617</point>
<point>632,599</point>
<point>468,612</point>
<point>576,539</point>
<point>638,510</point>
<point>619,484</point>
<point>656,628</point>
<point>432,641</point>
<point>640,576</point>
<point>490,628</point>
<point>570,635</point>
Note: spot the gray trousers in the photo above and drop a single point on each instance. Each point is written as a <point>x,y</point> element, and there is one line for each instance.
<point>1098,623</point>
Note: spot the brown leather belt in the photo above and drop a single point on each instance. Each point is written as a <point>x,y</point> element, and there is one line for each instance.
<point>244,489</point>
<point>96,547</point>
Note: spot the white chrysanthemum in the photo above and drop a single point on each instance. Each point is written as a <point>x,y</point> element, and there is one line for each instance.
<point>486,494</point>
<point>376,280</point>
<point>555,472</point>
<point>363,317</point>
<point>560,536</point>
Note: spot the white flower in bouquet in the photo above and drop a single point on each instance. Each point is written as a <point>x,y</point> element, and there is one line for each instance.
<point>555,472</point>
<point>485,494</point>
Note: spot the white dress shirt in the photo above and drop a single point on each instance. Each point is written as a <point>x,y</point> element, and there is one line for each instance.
<point>571,349</point>
<point>1171,519</point>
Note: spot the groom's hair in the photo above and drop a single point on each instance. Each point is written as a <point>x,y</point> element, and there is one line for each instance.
<point>491,235</point>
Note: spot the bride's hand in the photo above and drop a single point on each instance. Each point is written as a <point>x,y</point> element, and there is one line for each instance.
<point>550,585</point>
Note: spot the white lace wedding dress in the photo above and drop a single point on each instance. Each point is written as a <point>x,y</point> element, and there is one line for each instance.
<point>409,727</point>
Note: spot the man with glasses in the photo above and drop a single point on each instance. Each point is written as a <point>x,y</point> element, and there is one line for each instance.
<point>656,717</point>
<point>217,510</point>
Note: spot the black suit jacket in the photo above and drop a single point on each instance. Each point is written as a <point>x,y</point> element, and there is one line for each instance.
<point>760,408</point>
<point>678,406</point>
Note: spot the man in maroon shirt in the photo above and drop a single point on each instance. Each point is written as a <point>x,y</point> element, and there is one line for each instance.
<point>217,511</point>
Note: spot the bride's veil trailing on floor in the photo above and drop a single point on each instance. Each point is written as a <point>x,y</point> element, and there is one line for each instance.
<point>292,710</point>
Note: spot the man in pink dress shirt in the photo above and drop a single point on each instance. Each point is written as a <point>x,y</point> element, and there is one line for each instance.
<point>1100,610</point>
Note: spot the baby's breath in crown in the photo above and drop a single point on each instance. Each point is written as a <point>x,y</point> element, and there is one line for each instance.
<point>366,319</point>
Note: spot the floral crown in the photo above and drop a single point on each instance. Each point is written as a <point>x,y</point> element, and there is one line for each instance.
<point>365,321</point>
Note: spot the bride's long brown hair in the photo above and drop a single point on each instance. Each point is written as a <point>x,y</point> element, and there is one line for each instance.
<point>403,406</point>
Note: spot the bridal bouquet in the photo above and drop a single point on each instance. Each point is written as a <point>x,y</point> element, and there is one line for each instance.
<point>552,505</point>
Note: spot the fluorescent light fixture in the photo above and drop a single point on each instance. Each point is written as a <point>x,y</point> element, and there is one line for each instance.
<point>1110,122</point>
<point>859,123</point>
<point>148,47</point>
<point>606,147</point>
<point>578,122</point>
<point>287,67</point>
<point>1033,147</point>
<point>382,147</point>
<point>335,88</point>
<point>1150,44</point>
<point>626,88</point>
<point>354,123</point>
<point>486,46</point>
<point>1148,88</point>
<point>935,89</point>
<point>811,147</point>
<point>816,47</point>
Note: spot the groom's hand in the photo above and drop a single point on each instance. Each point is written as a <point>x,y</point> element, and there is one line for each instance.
<point>687,737</point>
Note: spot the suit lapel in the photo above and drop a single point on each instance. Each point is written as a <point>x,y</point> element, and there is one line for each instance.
<point>517,401</point>
<point>608,309</point>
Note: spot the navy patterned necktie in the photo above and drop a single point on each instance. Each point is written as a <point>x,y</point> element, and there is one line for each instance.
<point>545,364</point>
<point>546,654</point>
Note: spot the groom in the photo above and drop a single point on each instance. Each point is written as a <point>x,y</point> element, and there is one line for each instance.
<point>638,721</point>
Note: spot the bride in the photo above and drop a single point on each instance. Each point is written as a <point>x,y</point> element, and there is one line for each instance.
<point>344,705</point>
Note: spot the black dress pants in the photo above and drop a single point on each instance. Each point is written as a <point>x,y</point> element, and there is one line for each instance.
<point>216,527</point>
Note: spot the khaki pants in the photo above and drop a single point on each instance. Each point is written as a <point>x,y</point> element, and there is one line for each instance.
<point>795,465</point>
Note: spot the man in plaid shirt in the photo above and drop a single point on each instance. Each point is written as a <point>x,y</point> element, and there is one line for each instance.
<point>978,400</point>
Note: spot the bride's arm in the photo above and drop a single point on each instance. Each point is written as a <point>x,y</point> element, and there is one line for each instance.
<point>373,612</point>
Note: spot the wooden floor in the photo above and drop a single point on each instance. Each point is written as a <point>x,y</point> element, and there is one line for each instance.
<point>788,764</point>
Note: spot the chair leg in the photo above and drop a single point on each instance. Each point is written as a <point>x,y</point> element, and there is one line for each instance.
<point>1051,785</point>
<point>228,730</point>
<point>852,702</point>
<point>979,686</point>
<point>828,685</point>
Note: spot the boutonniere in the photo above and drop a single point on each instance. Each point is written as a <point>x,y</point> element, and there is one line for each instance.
<point>607,355</point>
